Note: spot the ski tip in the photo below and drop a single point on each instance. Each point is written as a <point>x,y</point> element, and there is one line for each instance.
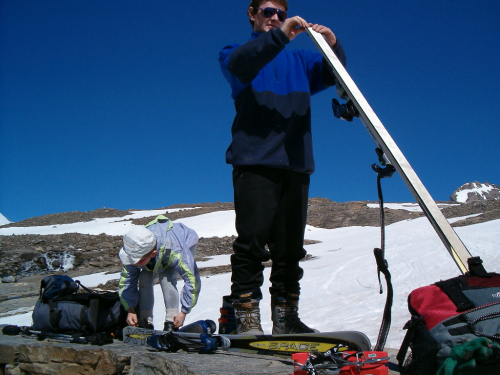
<point>225,343</point>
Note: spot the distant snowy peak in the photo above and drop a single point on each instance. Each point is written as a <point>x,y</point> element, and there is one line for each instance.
<point>3,220</point>
<point>476,191</point>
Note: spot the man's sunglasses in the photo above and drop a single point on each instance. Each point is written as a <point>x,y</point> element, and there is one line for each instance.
<point>269,12</point>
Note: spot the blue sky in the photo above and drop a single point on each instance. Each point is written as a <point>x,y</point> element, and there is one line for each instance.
<point>121,103</point>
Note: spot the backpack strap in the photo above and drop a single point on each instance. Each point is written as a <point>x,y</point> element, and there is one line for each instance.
<point>411,325</point>
<point>114,318</point>
<point>453,288</point>
<point>94,312</point>
<point>84,287</point>
<point>476,267</point>
<point>54,315</point>
<point>469,323</point>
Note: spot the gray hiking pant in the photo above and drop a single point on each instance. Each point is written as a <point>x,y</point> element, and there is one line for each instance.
<point>168,282</point>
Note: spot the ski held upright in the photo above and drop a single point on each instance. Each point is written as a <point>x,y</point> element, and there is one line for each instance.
<point>383,140</point>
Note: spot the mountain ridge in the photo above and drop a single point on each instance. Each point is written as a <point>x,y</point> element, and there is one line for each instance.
<point>22,255</point>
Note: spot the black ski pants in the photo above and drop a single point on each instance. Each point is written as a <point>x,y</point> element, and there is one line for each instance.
<point>271,209</point>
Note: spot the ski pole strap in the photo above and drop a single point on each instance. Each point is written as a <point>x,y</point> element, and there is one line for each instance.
<point>383,267</point>
<point>380,253</point>
<point>382,264</point>
<point>382,223</point>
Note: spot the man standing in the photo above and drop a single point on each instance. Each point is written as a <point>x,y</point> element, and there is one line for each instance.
<point>272,157</point>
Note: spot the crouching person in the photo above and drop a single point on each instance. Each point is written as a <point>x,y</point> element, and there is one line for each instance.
<point>161,250</point>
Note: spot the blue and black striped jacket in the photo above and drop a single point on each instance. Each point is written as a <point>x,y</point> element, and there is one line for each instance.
<point>271,88</point>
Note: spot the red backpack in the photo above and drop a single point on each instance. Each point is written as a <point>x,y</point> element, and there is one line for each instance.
<point>450,313</point>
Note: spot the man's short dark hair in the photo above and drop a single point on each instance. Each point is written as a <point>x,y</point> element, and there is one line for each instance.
<point>256,4</point>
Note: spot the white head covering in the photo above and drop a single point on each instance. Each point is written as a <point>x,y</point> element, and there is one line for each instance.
<point>136,243</point>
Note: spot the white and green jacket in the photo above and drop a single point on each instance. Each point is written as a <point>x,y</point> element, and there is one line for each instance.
<point>174,241</point>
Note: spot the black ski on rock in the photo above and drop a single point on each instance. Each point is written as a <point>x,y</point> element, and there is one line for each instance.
<point>285,344</point>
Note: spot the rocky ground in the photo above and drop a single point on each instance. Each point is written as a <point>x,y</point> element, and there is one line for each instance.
<point>26,355</point>
<point>29,258</point>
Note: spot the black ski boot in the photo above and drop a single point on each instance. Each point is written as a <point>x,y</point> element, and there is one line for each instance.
<point>285,315</point>
<point>227,320</point>
<point>143,323</point>
<point>168,326</point>
<point>247,313</point>
<point>207,327</point>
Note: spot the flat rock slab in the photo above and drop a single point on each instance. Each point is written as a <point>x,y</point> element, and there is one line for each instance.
<point>25,354</point>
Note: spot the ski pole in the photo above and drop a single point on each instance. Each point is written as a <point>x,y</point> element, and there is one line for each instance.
<point>18,297</point>
<point>13,330</point>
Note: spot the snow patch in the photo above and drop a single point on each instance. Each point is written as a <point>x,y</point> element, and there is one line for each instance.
<point>340,289</point>
<point>4,220</point>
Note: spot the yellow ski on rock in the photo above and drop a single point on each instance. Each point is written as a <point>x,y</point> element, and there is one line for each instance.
<point>296,346</point>
<point>285,344</point>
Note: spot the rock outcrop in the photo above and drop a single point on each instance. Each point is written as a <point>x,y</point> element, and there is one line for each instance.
<point>476,192</point>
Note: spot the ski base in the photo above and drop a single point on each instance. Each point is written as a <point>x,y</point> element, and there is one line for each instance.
<point>285,344</point>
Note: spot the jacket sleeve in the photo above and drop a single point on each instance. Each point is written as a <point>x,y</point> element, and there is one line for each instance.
<point>191,290</point>
<point>319,71</point>
<point>128,292</point>
<point>184,263</point>
<point>245,61</point>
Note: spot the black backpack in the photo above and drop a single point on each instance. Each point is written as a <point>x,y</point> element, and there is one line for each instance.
<point>60,309</point>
